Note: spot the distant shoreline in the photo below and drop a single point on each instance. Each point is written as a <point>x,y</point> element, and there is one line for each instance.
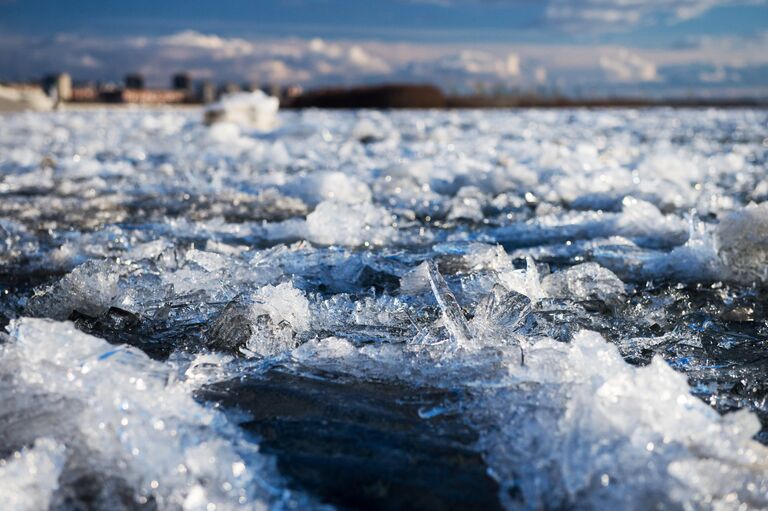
<point>562,105</point>
<point>396,96</point>
<point>553,106</point>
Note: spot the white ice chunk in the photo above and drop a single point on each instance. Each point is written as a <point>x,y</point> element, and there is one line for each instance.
<point>264,323</point>
<point>29,478</point>
<point>742,240</point>
<point>334,223</point>
<point>453,316</point>
<point>316,187</point>
<point>587,281</point>
<point>12,100</point>
<point>139,423</point>
<point>89,289</point>
<point>373,127</point>
<point>283,303</point>
<point>641,219</point>
<point>249,109</point>
<point>467,204</point>
<point>616,436</point>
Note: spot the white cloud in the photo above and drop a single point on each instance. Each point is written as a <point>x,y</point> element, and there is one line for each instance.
<point>333,58</point>
<point>610,15</point>
<point>467,66</point>
<point>321,47</point>
<point>599,15</point>
<point>192,39</point>
<point>717,75</point>
<point>466,70</point>
<point>89,62</point>
<point>625,66</point>
<point>364,60</point>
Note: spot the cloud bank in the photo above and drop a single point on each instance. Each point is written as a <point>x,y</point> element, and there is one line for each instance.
<point>736,64</point>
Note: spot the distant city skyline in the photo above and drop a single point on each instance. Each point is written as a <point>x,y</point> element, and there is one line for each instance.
<point>580,47</point>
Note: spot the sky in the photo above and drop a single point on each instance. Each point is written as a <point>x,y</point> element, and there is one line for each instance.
<point>578,47</point>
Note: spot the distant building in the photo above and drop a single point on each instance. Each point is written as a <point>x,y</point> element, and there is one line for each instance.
<point>134,81</point>
<point>273,90</point>
<point>85,94</point>
<point>293,91</point>
<point>206,92</point>
<point>153,96</point>
<point>231,87</point>
<point>58,86</point>
<point>48,84</point>
<point>182,81</point>
<point>64,87</point>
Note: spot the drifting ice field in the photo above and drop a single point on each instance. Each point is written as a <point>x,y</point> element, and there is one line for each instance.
<point>429,310</point>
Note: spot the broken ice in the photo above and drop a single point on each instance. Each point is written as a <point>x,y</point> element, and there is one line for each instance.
<point>571,303</point>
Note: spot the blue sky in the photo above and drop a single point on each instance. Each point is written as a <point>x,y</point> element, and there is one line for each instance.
<point>411,20</point>
<point>708,47</point>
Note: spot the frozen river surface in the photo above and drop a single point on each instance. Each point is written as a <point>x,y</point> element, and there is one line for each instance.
<point>412,310</point>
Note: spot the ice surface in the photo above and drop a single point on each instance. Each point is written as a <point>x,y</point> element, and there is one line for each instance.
<point>587,288</point>
<point>603,434</point>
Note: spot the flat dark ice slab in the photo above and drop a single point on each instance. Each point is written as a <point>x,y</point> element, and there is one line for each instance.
<point>362,445</point>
